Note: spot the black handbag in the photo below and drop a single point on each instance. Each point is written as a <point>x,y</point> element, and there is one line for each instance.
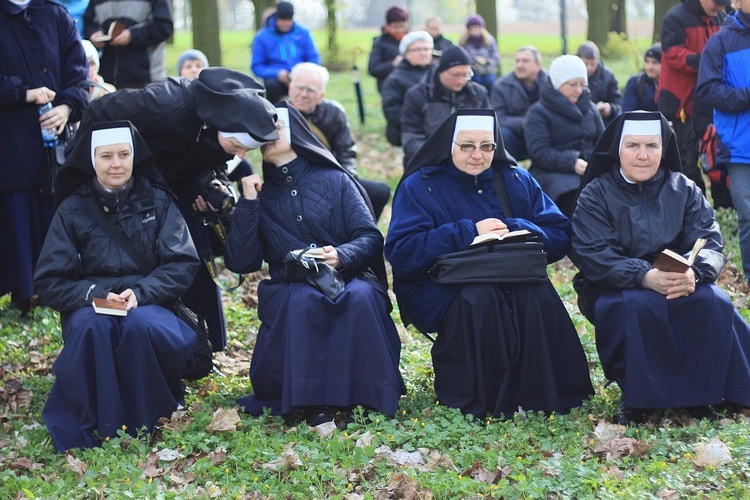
<point>302,268</point>
<point>201,362</point>
<point>498,263</point>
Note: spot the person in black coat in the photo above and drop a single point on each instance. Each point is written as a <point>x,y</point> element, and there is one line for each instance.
<point>385,55</point>
<point>434,26</point>
<point>416,48</point>
<point>669,338</point>
<point>442,90</point>
<point>603,86</point>
<point>513,95</point>
<point>114,372</point>
<point>42,62</point>
<point>192,127</point>
<point>640,91</point>
<point>315,356</point>
<point>561,130</point>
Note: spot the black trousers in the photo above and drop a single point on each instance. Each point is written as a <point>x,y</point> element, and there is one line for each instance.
<point>687,144</point>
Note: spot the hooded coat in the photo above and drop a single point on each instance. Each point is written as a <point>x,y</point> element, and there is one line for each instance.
<point>662,353</point>
<point>311,350</point>
<point>115,371</point>
<point>557,133</point>
<point>481,366</point>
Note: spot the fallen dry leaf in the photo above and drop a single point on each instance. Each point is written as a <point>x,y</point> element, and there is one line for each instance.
<point>177,421</point>
<point>667,494</point>
<point>402,486</point>
<point>218,456</point>
<point>365,439</point>
<point>224,420</point>
<point>169,455</point>
<point>605,432</point>
<point>711,454</point>
<point>399,457</point>
<point>288,460</point>
<point>75,465</point>
<point>479,473</point>
<point>436,459</point>
<point>326,429</point>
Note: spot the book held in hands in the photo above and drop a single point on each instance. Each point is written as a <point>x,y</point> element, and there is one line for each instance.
<point>111,307</point>
<point>510,237</point>
<point>115,28</point>
<point>671,261</point>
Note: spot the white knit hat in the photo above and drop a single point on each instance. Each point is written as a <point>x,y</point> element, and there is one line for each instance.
<point>565,68</point>
<point>414,36</point>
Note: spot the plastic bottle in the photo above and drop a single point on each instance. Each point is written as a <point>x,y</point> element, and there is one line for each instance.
<point>49,138</point>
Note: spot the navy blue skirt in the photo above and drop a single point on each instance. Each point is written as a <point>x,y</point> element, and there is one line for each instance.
<point>312,351</point>
<point>115,371</point>
<point>690,351</point>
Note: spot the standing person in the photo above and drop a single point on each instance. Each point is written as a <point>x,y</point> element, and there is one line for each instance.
<point>280,45</point>
<point>327,120</point>
<point>192,127</point>
<point>442,90</point>
<point>482,49</point>
<point>434,26</point>
<point>42,62</point>
<point>191,63</point>
<point>513,95</point>
<point>499,346</point>
<point>316,356</point>
<point>724,84</point>
<point>416,48</point>
<point>115,371</point>
<point>605,92</point>
<point>136,55</point>
<point>561,130</point>
<point>76,9</point>
<point>640,91</point>
<point>385,55</point>
<point>684,32</point>
<point>653,333</point>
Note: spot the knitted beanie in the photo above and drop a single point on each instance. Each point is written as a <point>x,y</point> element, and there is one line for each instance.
<point>188,55</point>
<point>475,20</point>
<point>395,15</point>
<point>415,36</point>
<point>654,52</point>
<point>455,56</point>
<point>566,68</point>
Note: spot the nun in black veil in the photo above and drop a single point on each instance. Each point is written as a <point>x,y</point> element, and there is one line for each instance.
<point>314,356</point>
<point>669,339</point>
<point>500,347</point>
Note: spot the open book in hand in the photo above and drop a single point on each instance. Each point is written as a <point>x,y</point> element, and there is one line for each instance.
<point>115,28</point>
<point>111,307</point>
<point>512,236</point>
<point>670,261</point>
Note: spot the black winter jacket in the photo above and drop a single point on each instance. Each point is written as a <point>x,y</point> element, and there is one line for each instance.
<point>511,101</point>
<point>429,103</point>
<point>384,51</point>
<point>330,118</point>
<point>619,229</point>
<point>557,133</point>
<point>80,261</point>
<point>395,86</point>
<point>603,88</point>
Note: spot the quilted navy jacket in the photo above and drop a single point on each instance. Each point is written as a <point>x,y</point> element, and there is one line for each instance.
<point>303,205</point>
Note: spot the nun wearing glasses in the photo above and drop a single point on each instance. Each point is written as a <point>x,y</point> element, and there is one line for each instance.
<point>499,347</point>
<point>669,339</point>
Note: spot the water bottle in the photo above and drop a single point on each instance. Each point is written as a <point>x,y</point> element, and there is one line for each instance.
<point>49,138</point>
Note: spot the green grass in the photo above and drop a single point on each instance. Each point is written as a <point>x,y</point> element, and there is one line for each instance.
<point>529,456</point>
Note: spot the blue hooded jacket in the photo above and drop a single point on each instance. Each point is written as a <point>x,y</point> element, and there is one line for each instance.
<point>273,51</point>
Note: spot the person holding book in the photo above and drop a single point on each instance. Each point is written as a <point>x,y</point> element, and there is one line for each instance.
<point>669,338</point>
<point>115,372</point>
<point>499,347</point>
<point>316,357</point>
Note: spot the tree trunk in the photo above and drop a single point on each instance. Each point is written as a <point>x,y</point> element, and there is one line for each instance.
<point>333,44</point>
<point>660,8</point>
<point>605,17</point>
<point>206,29</point>
<point>488,10</point>
<point>260,6</point>
<point>619,19</point>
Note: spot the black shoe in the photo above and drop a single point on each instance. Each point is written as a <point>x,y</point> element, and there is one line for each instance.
<point>317,415</point>
<point>627,415</point>
<point>342,417</point>
<point>728,408</point>
<point>23,305</point>
<point>701,412</point>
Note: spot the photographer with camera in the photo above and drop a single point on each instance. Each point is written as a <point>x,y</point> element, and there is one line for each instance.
<point>192,127</point>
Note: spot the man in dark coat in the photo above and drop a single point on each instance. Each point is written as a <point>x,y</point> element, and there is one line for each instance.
<point>384,55</point>
<point>327,120</point>
<point>42,62</point>
<point>193,126</point>
<point>440,44</point>
<point>513,95</point>
<point>603,86</point>
<point>684,32</point>
<point>416,47</point>
<point>135,55</point>
<point>443,90</point>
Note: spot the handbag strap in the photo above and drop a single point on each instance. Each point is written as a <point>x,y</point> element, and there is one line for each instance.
<point>116,233</point>
<point>502,194</point>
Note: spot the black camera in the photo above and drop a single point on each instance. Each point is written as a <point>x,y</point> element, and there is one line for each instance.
<point>217,194</point>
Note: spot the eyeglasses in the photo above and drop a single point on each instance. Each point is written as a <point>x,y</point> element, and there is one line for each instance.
<point>423,49</point>
<point>469,147</point>
<point>309,90</point>
<point>461,76</point>
<point>576,85</point>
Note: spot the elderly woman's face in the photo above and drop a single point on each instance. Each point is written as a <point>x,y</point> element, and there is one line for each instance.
<point>640,156</point>
<point>475,161</point>
<point>418,53</point>
<point>113,165</point>
<point>572,89</point>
